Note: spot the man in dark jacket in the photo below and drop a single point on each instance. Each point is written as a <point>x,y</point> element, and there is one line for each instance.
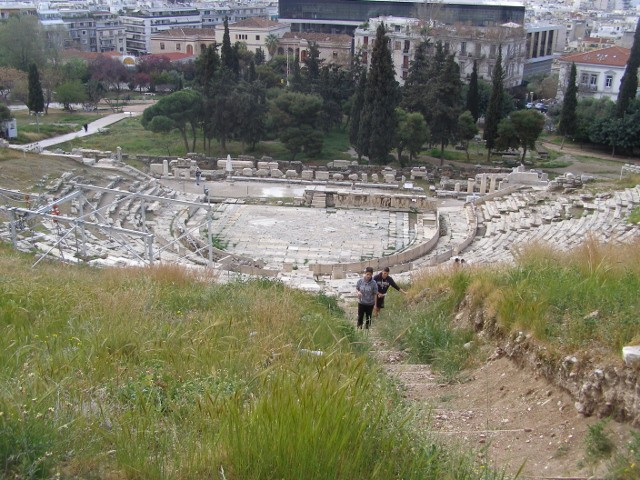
<point>384,281</point>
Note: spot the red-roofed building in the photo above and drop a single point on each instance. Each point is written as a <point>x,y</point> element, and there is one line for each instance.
<point>599,72</point>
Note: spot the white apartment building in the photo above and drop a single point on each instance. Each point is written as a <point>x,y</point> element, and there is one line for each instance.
<point>141,24</point>
<point>468,43</point>
<point>214,14</point>
<point>599,72</point>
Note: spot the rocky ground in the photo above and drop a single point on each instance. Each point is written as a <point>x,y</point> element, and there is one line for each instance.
<point>512,418</point>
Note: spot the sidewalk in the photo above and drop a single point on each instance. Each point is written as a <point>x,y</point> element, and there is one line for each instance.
<point>93,127</point>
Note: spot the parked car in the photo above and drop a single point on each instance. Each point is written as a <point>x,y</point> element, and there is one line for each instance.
<point>541,107</point>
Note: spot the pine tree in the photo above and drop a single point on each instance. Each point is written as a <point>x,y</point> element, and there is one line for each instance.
<point>629,82</point>
<point>473,95</point>
<point>494,110</point>
<point>381,98</point>
<point>35,100</point>
<point>569,117</point>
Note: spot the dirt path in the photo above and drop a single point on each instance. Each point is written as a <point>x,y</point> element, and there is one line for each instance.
<point>512,418</point>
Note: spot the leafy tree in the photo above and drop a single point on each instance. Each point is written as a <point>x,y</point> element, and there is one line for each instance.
<point>221,119</point>
<point>467,129</point>
<point>113,75</point>
<point>356,111</point>
<point>21,42</point>
<point>494,110</point>
<point>52,76</point>
<point>296,83</point>
<point>568,117</point>
<point>412,134</point>
<point>629,82</point>
<point>590,112</point>
<point>377,123</point>
<point>70,92</point>
<point>252,108</point>
<point>35,102</point>
<point>5,113</point>
<point>95,93</point>
<point>336,86</point>
<point>271,41</point>
<point>473,94</point>
<point>521,129</point>
<point>617,133</point>
<point>297,117</point>
<point>183,109</point>
<point>268,76</point>
<point>10,78</point>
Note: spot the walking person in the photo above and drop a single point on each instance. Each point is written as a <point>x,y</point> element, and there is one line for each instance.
<point>86,127</point>
<point>384,281</point>
<point>198,175</point>
<point>367,291</point>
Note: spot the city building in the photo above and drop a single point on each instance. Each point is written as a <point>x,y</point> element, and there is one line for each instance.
<point>110,32</point>
<point>253,32</point>
<point>468,43</point>
<point>599,72</point>
<point>214,14</point>
<point>344,16</point>
<point>140,24</point>
<point>190,41</point>
<point>544,42</point>
<point>334,48</point>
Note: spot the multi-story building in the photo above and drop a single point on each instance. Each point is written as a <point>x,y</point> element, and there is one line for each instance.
<point>468,43</point>
<point>190,41</point>
<point>253,32</point>
<point>17,8</point>
<point>81,28</point>
<point>543,43</point>
<point>599,72</point>
<point>141,24</point>
<point>334,48</point>
<point>344,16</point>
<point>110,32</point>
<point>214,14</point>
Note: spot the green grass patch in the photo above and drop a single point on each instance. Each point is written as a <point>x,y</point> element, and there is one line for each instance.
<point>56,122</point>
<point>152,373</point>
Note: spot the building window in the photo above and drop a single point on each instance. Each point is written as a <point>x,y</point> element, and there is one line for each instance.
<point>397,45</point>
<point>407,46</point>
<point>463,48</point>
<point>584,79</point>
<point>593,81</point>
<point>335,54</point>
<point>365,40</point>
<point>608,81</point>
<point>177,46</point>
<point>161,46</point>
<point>257,37</point>
<point>492,51</point>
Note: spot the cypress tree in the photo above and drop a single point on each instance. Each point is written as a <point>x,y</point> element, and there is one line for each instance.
<point>568,116</point>
<point>629,82</point>
<point>445,104</point>
<point>494,109</point>
<point>414,91</point>
<point>473,95</point>
<point>35,99</point>
<point>377,121</point>
<point>227,54</point>
<point>356,111</point>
